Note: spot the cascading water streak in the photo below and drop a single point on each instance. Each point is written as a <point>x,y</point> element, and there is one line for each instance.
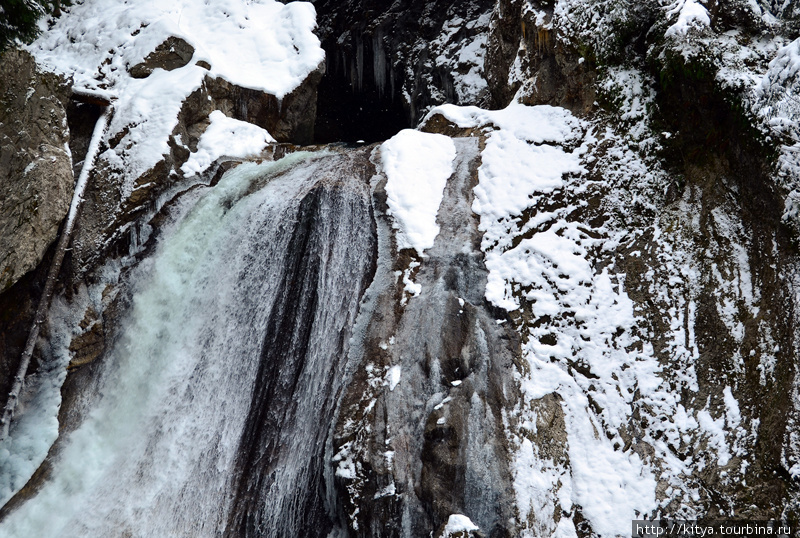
<point>215,401</point>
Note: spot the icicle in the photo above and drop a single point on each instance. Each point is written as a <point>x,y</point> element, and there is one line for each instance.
<point>379,62</point>
<point>359,65</point>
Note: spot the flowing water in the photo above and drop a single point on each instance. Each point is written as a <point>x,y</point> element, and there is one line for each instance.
<point>212,414</point>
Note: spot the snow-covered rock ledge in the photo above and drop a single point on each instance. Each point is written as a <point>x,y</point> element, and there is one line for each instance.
<point>167,66</point>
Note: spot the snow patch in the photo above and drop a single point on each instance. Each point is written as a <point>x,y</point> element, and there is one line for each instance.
<point>459,523</point>
<point>732,412</point>
<point>393,376</point>
<point>539,124</point>
<point>417,166</point>
<point>691,14</point>
<point>226,137</point>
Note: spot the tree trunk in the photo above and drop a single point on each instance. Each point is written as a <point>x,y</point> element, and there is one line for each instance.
<point>52,273</point>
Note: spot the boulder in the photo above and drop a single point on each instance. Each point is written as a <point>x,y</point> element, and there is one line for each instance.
<point>173,53</point>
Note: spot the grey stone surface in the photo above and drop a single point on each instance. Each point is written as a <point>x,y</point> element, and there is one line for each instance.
<point>36,180</point>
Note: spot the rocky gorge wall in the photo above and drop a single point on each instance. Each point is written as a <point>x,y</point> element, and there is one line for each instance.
<point>37,185</point>
<point>667,352</point>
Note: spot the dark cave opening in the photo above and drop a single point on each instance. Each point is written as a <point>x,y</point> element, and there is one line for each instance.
<point>357,99</point>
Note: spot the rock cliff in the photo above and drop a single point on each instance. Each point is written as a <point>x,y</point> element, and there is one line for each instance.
<point>35,161</point>
<point>566,300</point>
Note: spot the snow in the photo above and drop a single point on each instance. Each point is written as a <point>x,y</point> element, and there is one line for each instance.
<point>782,69</point>
<point>459,523</point>
<point>565,529</point>
<point>777,105</point>
<point>585,304</point>
<point>714,430</point>
<point>417,166</point>
<point>632,93</point>
<point>393,376</point>
<point>463,56</point>
<point>441,404</point>
<point>388,491</point>
<point>732,412</point>
<point>544,262</point>
<point>260,44</point>
<point>257,44</point>
<point>226,137</point>
<point>691,13</point>
<point>539,124</point>
<point>513,170</point>
<point>88,164</point>
<point>409,286</point>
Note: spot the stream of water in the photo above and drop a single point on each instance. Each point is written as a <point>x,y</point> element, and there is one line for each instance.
<point>213,405</point>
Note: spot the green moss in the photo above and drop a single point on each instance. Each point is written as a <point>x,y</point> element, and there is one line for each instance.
<point>708,120</point>
<point>676,70</point>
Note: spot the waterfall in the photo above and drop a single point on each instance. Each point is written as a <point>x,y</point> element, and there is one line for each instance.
<point>212,413</point>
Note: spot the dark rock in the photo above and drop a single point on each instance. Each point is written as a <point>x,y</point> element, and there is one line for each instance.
<point>173,53</point>
<point>388,62</point>
<point>81,119</point>
<point>290,119</point>
<point>438,124</point>
<point>550,71</point>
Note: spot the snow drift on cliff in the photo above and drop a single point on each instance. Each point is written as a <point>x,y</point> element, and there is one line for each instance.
<point>417,166</point>
<point>584,341</point>
<point>257,44</point>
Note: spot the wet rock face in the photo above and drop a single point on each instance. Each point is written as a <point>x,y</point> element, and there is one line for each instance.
<point>288,120</point>
<point>419,435</point>
<point>36,184</point>
<point>523,52</point>
<point>36,180</point>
